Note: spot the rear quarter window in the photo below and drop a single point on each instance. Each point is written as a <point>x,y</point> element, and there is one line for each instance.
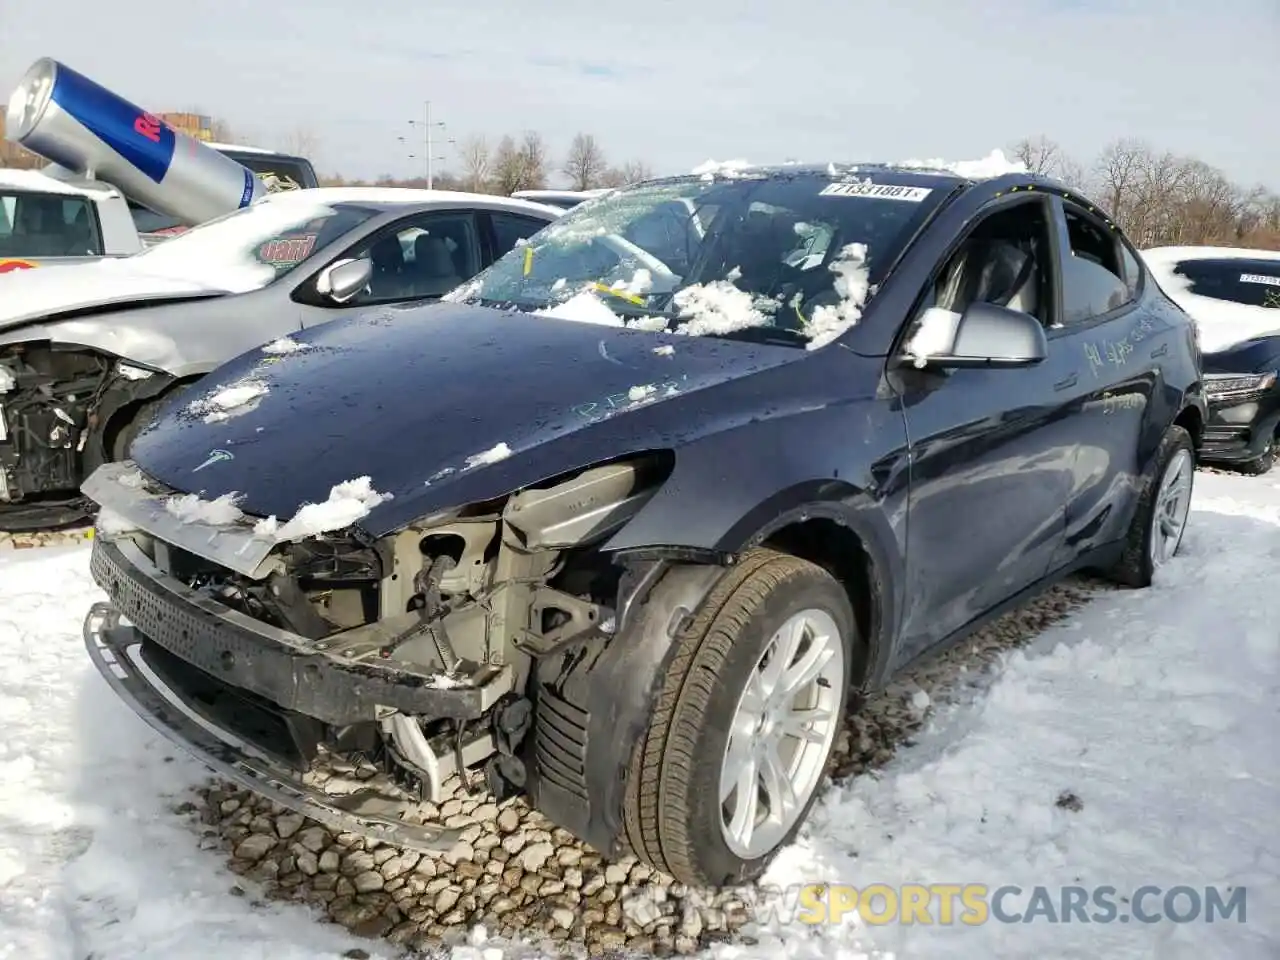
<point>1254,283</point>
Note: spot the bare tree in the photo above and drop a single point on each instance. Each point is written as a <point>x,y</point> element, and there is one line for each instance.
<point>520,166</point>
<point>477,163</point>
<point>585,166</point>
<point>508,168</point>
<point>1119,170</point>
<point>301,142</point>
<point>1039,153</point>
<point>221,131</point>
<point>633,171</point>
<point>533,155</point>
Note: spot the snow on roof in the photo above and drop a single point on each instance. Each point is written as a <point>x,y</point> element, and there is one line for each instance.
<point>710,169</point>
<point>994,164</point>
<point>405,195</point>
<point>1171,255</point>
<point>36,182</point>
<point>560,194</point>
<point>1221,323</point>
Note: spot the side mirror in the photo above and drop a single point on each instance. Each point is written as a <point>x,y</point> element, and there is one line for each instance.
<point>985,335</point>
<point>343,280</point>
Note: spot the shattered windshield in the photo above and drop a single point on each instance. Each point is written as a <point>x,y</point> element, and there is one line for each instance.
<point>252,247</point>
<point>777,259</point>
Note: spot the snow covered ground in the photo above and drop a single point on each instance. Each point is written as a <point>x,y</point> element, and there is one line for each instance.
<point>1159,710</point>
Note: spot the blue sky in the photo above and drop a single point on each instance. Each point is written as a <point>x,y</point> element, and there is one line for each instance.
<point>675,82</point>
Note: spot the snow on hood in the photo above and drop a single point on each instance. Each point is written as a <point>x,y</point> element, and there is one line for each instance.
<point>31,294</point>
<point>348,502</point>
<point>994,164</point>
<point>1221,323</point>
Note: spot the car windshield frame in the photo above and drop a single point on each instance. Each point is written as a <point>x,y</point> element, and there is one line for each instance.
<point>808,251</point>
<point>256,246</point>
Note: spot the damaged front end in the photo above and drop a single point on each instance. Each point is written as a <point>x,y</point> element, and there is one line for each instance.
<point>361,681</point>
<point>55,400</point>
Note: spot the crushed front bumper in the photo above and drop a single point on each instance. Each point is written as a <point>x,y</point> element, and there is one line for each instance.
<point>120,653</point>
<point>252,702</point>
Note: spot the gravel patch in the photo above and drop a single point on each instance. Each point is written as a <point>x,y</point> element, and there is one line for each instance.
<point>45,538</point>
<point>517,877</point>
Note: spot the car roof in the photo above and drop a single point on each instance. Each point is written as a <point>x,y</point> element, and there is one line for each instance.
<point>390,199</point>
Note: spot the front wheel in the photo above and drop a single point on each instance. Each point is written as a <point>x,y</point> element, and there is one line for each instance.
<point>745,722</point>
<point>1155,534</point>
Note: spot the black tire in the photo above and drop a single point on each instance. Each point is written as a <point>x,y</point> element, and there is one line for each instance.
<point>672,812</point>
<point>1263,464</point>
<point>1136,567</point>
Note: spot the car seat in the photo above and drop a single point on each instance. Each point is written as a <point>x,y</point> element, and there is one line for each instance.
<point>434,272</point>
<point>387,257</point>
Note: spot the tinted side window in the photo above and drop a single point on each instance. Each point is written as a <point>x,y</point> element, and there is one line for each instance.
<point>1091,242</point>
<point>425,257</point>
<point>1093,282</point>
<point>509,229</point>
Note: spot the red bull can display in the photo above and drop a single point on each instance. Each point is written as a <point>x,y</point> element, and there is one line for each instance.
<point>67,118</point>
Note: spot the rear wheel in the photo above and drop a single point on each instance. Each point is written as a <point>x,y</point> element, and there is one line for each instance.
<point>1155,534</point>
<point>745,722</point>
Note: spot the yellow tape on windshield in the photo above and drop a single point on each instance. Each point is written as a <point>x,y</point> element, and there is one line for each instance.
<point>620,294</point>
<point>528,260</point>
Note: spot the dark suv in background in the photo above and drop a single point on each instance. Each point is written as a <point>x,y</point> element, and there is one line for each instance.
<point>1234,296</point>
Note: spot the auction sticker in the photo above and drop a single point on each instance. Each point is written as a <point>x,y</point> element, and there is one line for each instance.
<point>878,191</point>
<point>1260,278</point>
<point>9,266</point>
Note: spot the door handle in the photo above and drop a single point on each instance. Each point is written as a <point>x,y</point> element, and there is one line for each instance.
<point>1159,351</point>
<point>1067,383</point>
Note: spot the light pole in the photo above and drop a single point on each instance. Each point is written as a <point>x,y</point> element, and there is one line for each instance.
<point>414,156</point>
<point>428,126</point>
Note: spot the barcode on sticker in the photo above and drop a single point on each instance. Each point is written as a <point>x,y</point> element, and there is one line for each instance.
<point>1260,278</point>
<point>880,191</point>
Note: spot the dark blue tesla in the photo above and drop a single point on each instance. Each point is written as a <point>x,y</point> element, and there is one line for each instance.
<point>623,524</point>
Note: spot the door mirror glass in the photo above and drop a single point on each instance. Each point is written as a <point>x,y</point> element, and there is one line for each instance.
<point>341,281</point>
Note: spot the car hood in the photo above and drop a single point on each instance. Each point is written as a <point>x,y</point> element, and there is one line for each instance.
<point>1257,355</point>
<point>30,295</point>
<point>444,405</point>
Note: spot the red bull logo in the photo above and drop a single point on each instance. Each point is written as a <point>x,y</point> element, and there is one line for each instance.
<point>9,266</point>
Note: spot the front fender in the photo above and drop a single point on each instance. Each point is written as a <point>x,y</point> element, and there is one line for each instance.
<point>847,463</point>
<point>728,486</point>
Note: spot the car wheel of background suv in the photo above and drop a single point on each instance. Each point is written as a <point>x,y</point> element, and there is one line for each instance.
<point>1155,533</point>
<point>1263,464</point>
<point>745,722</point>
